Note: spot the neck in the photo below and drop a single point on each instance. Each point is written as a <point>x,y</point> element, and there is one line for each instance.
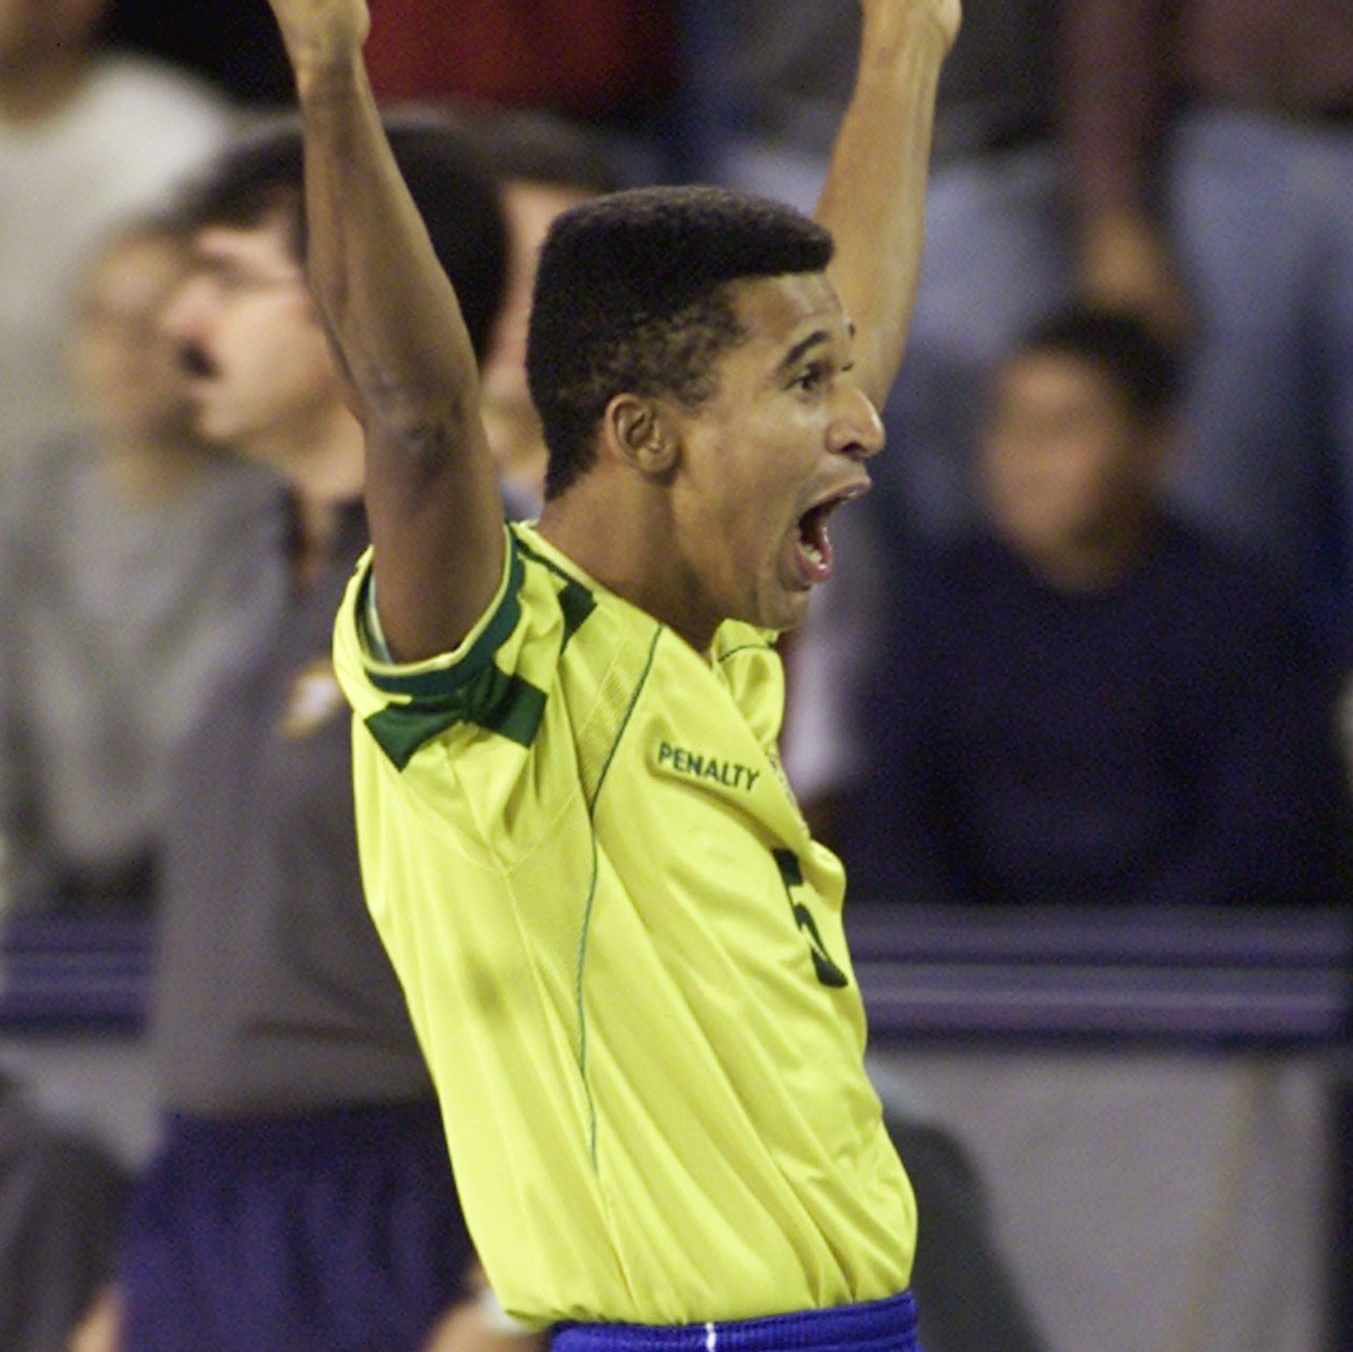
<point>1095,565</point>
<point>324,473</point>
<point>321,459</point>
<point>317,521</point>
<point>627,543</point>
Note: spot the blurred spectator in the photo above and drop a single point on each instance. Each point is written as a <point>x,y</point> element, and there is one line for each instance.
<point>545,164</point>
<point>125,556</point>
<point>617,65</point>
<point>1089,700</point>
<point>301,1197</point>
<point>1212,148</point>
<point>86,137</point>
<point>61,1199</point>
<point>779,76</point>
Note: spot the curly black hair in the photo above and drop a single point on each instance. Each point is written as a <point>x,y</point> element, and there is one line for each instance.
<point>633,295</point>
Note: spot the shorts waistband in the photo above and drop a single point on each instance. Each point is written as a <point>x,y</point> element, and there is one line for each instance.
<point>876,1326</point>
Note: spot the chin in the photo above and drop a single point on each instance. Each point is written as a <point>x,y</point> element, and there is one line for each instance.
<point>789,614</point>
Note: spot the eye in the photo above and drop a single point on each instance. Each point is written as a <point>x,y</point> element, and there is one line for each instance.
<point>232,281</point>
<point>812,378</point>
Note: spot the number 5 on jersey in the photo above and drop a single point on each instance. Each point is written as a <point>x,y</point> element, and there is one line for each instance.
<point>828,973</point>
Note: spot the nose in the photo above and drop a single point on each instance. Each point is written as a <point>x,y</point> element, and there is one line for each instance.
<point>856,430</point>
<point>184,316</point>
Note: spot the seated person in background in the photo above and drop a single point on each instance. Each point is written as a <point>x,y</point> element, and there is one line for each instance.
<point>613,64</point>
<point>125,555</point>
<point>1090,701</point>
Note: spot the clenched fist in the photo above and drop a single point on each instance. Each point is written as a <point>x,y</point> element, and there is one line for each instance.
<point>321,32</point>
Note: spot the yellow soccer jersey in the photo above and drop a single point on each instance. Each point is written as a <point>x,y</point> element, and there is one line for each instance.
<point>624,958</point>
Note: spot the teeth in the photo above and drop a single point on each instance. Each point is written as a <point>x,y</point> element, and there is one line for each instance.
<point>813,552</point>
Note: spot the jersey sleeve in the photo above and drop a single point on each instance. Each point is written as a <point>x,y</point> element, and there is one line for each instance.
<point>404,706</point>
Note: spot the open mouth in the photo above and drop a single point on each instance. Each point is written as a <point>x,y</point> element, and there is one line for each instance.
<point>814,541</point>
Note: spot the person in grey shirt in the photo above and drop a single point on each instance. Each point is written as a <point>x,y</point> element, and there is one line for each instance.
<point>301,1198</point>
<point>127,553</point>
<point>88,137</point>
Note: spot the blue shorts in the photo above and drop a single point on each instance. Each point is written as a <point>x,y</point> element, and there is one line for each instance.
<point>879,1326</point>
<point>336,1231</point>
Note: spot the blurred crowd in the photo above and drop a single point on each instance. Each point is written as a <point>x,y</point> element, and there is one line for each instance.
<point>1090,636</point>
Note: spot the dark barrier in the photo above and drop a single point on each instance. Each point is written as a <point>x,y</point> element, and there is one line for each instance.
<point>1081,973</point>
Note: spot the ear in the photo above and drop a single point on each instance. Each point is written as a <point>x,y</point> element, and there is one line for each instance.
<point>642,433</point>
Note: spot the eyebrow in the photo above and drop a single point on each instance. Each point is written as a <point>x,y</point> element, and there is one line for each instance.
<point>229,268</point>
<point>805,345</point>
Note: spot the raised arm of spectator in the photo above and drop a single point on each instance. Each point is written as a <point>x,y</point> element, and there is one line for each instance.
<point>873,200</point>
<point>1118,70</point>
<point>431,492</point>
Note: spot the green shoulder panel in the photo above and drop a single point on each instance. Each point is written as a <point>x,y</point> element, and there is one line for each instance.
<point>476,690</point>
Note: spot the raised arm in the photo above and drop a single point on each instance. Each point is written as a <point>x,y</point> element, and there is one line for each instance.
<point>1118,58</point>
<point>431,490</point>
<point>873,200</point>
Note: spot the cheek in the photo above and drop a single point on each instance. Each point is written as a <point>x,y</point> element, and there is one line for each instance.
<point>274,357</point>
<point>153,360</point>
<point>759,531</point>
<point>743,502</point>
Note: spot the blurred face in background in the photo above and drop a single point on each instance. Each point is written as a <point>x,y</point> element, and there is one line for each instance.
<point>1065,468</point>
<point>126,370</point>
<point>256,357</point>
<point>531,208</point>
<point>514,429</point>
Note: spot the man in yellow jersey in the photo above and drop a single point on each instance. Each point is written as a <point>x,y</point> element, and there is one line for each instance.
<point>622,950</point>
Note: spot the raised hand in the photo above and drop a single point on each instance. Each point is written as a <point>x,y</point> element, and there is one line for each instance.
<point>946,15</point>
<point>319,32</point>
<point>873,200</point>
